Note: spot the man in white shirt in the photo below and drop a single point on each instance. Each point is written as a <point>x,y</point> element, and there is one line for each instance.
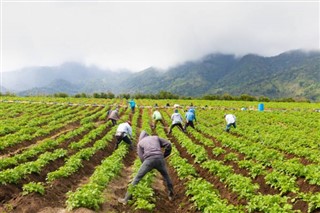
<point>231,121</point>
<point>176,121</point>
<point>124,133</point>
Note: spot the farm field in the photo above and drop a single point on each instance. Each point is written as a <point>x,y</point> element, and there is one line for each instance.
<point>57,155</point>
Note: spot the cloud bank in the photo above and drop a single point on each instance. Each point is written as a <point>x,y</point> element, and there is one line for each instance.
<point>137,35</point>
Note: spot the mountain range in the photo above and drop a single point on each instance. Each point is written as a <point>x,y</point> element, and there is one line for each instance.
<point>293,74</point>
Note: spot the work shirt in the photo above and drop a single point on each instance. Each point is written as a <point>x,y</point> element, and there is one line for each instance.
<point>114,114</point>
<point>176,118</point>
<point>124,128</point>
<point>192,110</point>
<point>157,115</point>
<point>132,103</point>
<point>149,147</point>
<point>190,116</point>
<point>230,119</point>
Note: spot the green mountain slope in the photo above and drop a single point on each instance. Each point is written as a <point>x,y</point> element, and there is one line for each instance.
<point>293,74</point>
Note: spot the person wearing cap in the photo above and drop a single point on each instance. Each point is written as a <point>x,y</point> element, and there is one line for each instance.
<point>124,133</point>
<point>114,116</point>
<point>150,152</point>
<point>231,121</point>
<point>176,121</point>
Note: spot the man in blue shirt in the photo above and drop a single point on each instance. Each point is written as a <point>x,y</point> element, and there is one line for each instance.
<point>190,117</point>
<point>132,105</point>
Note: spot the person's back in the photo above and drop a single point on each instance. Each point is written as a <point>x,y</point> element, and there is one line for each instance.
<point>176,121</point>
<point>124,133</point>
<point>149,147</point>
<point>176,118</point>
<point>114,114</point>
<point>132,103</point>
<point>124,127</point>
<point>231,121</point>
<point>190,116</point>
<point>192,110</point>
<point>157,115</point>
<point>230,118</point>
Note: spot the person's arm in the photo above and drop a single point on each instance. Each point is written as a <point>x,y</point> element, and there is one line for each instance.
<point>140,152</point>
<point>167,147</point>
<point>186,117</point>
<point>130,131</point>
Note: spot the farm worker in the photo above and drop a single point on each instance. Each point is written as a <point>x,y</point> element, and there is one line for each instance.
<point>113,116</point>
<point>190,117</point>
<point>124,131</point>
<point>231,121</point>
<point>156,116</point>
<point>150,152</point>
<point>176,121</point>
<point>132,105</point>
<point>191,109</point>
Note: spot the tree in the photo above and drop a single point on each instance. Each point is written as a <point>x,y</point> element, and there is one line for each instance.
<point>81,95</point>
<point>96,95</point>
<point>246,97</point>
<point>61,95</point>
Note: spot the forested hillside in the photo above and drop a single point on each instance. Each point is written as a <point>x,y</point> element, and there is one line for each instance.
<point>293,74</point>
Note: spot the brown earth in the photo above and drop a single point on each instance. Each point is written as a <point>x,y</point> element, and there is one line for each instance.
<point>53,201</point>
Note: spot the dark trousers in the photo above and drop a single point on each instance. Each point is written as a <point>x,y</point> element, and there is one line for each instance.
<point>155,123</point>
<point>189,123</point>
<point>126,139</point>
<point>229,126</point>
<point>147,165</point>
<point>114,122</point>
<point>176,124</point>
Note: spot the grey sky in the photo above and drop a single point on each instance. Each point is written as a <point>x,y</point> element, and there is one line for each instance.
<point>136,35</point>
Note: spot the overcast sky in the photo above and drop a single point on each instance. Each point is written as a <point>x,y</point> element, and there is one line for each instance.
<point>137,35</point>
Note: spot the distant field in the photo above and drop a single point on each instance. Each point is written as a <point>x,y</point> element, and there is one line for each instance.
<point>58,154</point>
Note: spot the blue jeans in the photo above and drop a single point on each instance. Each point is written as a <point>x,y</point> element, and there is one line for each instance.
<point>147,165</point>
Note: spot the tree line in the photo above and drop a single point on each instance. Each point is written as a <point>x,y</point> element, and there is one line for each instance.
<point>169,95</point>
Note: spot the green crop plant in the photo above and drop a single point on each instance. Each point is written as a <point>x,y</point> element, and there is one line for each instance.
<point>33,187</point>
